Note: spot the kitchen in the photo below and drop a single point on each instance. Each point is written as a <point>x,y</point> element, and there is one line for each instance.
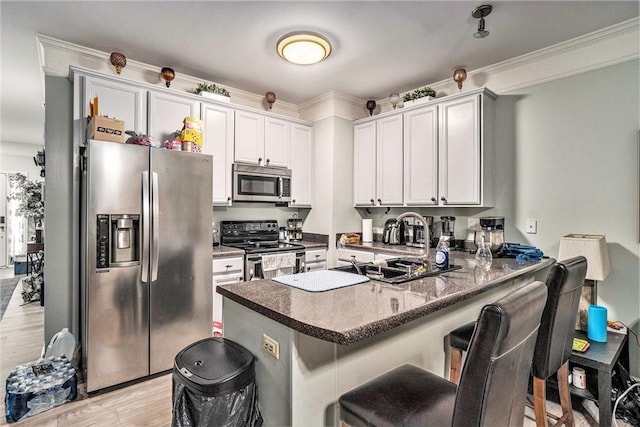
<point>528,135</point>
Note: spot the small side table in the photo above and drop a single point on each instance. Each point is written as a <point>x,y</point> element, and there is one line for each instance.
<point>32,254</point>
<point>600,360</point>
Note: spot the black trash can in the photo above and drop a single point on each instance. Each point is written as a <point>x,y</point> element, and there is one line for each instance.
<point>214,384</point>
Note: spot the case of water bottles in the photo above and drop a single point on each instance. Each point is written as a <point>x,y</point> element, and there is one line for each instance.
<point>38,386</point>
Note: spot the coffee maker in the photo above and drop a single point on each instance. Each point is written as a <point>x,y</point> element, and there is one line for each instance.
<point>414,231</point>
<point>492,227</point>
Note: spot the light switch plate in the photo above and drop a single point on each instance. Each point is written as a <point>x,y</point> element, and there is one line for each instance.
<point>532,226</point>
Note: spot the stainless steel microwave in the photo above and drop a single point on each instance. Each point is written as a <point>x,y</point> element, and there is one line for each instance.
<point>261,184</point>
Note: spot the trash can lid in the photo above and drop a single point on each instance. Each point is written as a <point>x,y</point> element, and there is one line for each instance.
<point>215,365</point>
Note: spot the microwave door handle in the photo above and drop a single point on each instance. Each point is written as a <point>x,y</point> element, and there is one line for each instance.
<point>280,186</point>
<point>144,278</point>
<point>155,224</point>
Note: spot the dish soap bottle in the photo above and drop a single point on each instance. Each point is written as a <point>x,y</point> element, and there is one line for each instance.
<point>442,254</point>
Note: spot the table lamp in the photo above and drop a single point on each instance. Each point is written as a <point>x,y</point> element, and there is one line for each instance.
<point>594,248</point>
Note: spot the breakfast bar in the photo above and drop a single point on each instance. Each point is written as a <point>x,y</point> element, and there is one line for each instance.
<point>322,344</point>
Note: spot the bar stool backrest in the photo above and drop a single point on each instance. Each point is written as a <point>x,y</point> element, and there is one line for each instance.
<point>494,380</point>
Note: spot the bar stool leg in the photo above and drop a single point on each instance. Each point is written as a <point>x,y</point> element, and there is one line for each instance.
<point>456,365</point>
<point>540,401</point>
<point>565,397</point>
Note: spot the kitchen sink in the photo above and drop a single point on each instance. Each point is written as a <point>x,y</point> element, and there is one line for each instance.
<point>395,270</point>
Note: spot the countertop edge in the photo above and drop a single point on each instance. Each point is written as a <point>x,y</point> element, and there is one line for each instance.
<point>374,328</point>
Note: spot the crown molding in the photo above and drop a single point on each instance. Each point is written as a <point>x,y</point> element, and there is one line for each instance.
<point>600,49</point>
<point>333,104</point>
<point>56,56</point>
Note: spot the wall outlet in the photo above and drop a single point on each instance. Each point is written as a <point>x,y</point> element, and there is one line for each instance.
<point>271,346</point>
<point>532,226</point>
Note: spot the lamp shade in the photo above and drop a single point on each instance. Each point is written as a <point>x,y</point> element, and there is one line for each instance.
<point>591,246</point>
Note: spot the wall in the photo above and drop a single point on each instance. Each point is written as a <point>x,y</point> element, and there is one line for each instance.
<point>567,155</point>
<point>60,210</point>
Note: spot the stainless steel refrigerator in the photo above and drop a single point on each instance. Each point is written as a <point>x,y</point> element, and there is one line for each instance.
<point>146,281</point>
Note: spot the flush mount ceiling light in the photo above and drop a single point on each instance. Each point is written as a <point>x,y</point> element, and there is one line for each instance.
<point>303,47</point>
<point>480,12</point>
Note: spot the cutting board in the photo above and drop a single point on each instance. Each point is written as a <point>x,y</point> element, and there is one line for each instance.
<point>321,280</point>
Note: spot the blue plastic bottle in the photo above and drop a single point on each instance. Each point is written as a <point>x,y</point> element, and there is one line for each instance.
<point>442,254</point>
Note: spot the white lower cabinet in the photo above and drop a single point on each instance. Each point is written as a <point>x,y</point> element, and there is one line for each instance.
<point>346,255</point>
<point>315,260</point>
<point>225,271</point>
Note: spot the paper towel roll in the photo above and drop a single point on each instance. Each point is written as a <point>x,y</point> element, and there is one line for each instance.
<point>367,230</point>
<point>597,323</point>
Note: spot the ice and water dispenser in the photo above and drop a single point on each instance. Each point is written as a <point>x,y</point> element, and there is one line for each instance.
<point>118,240</point>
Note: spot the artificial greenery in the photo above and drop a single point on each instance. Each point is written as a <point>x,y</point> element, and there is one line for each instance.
<point>419,93</point>
<point>213,88</point>
<point>29,197</point>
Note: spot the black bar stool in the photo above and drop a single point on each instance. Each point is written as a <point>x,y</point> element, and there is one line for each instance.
<point>493,385</point>
<point>555,339</point>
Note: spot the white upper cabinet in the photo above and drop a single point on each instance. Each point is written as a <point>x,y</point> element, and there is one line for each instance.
<point>378,162</point>
<point>421,156</point>
<point>167,113</point>
<point>389,161</point>
<point>301,169</point>
<point>364,166</point>
<point>465,174</point>
<point>437,154</point>
<point>122,101</point>
<point>249,134</point>
<point>218,142</point>
<point>277,142</point>
<point>262,140</point>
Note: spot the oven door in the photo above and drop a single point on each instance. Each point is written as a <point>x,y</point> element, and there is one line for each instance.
<point>261,184</point>
<point>268,265</point>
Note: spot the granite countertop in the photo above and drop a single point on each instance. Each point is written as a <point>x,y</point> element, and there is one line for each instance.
<point>390,249</point>
<point>312,245</point>
<point>226,252</point>
<point>351,314</point>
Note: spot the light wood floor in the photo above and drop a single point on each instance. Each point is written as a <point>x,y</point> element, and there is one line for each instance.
<point>143,404</point>
<point>21,340</point>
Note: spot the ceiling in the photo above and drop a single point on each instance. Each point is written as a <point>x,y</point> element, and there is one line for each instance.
<point>378,47</point>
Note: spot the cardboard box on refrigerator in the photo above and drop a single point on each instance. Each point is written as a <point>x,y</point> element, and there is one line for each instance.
<point>106,129</point>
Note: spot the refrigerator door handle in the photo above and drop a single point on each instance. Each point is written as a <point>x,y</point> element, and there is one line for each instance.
<point>145,227</point>
<point>155,224</point>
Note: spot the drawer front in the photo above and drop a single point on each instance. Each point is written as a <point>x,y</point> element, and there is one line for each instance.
<point>361,256</point>
<point>315,255</point>
<point>227,265</point>
<point>312,266</point>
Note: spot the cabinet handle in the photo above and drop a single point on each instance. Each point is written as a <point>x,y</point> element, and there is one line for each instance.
<point>373,202</point>
<point>379,201</point>
<point>443,199</point>
<point>259,159</point>
<point>317,255</point>
<point>294,200</point>
<point>228,266</point>
<point>434,200</point>
<point>268,161</point>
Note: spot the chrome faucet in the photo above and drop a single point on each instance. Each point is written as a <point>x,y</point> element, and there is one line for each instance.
<point>355,265</point>
<point>425,251</point>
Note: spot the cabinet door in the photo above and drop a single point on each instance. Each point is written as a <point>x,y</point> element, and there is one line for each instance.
<point>249,134</point>
<point>218,142</point>
<point>364,164</point>
<point>389,161</point>
<point>167,113</point>
<point>421,157</point>
<point>122,101</point>
<point>277,142</point>
<point>301,172</point>
<point>459,152</point>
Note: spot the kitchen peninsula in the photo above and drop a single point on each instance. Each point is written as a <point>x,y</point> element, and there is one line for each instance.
<point>330,342</point>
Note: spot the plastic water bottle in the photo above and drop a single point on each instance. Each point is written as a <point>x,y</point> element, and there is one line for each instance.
<point>62,343</point>
<point>442,254</point>
<point>483,255</point>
